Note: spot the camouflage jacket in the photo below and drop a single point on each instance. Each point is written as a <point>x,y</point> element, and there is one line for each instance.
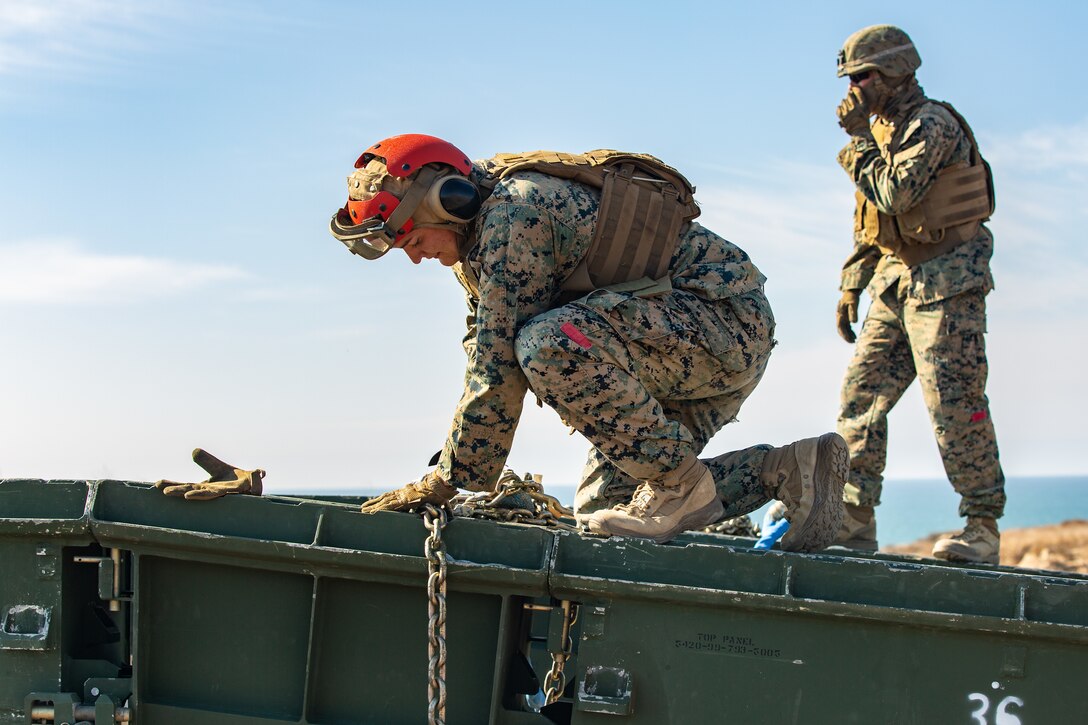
<point>530,234</point>
<point>924,139</point>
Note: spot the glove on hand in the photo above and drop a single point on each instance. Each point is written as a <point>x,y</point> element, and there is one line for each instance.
<point>224,479</point>
<point>853,113</point>
<point>430,489</point>
<point>847,313</point>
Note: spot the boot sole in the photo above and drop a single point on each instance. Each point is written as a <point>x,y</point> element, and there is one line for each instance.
<point>825,518</point>
<point>868,547</point>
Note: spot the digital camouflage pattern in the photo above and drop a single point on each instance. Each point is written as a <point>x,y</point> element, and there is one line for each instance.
<point>879,47</point>
<point>646,380</point>
<point>664,381</point>
<point>925,321</point>
<point>921,140</point>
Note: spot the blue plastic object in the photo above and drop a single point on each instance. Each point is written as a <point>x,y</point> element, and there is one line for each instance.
<point>773,530</point>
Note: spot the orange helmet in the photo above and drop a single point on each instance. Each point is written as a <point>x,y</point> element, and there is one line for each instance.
<point>427,180</point>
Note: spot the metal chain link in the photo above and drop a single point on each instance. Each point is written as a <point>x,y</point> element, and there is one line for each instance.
<point>739,526</point>
<point>515,499</point>
<point>435,520</point>
<point>556,679</point>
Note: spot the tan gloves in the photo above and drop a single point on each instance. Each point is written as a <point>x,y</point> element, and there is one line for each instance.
<point>430,489</point>
<point>853,113</point>
<point>224,479</point>
<point>847,313</point>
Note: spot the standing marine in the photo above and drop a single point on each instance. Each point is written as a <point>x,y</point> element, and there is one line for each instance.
<point>922,252</point>
<point>589,284</point>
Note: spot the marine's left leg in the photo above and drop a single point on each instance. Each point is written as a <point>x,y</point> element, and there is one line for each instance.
<point>950,355</point>
<point>734,339</point>
<point>605,368</point>
<point>662,370</point>
<point>736,474</point>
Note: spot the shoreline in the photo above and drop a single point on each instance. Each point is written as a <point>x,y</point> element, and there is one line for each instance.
<point>1054,547</point>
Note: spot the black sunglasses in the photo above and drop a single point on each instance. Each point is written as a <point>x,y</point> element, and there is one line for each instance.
<point>859,77</point>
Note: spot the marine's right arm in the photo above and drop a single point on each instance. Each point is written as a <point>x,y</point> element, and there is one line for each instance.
<point>923,148</point>
<point>517,281</point>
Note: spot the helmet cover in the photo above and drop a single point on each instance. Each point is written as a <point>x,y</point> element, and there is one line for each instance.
<point>883,48</point>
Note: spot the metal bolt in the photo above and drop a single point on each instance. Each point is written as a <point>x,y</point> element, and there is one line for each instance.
<point>95,692</point>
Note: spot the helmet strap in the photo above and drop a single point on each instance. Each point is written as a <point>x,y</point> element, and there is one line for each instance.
<point>412,198</point>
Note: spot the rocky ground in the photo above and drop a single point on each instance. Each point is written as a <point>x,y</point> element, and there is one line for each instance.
<point>1061,547</point>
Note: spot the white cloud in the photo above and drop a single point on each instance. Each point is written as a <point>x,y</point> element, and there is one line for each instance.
<point>791,211</point>
<point>62,272</point>
<point>74,36</point>
<point>795,221</point>
<point>1062,149</point>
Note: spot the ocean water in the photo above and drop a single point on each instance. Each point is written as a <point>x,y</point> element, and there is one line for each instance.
<point>910,510</point>
<point>913,509</point>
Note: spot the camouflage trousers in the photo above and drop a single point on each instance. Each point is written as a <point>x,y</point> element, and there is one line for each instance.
<point>649,381</point>
<point>943,345</point>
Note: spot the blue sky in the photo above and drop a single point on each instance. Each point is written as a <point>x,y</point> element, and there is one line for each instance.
<point>167,171</point>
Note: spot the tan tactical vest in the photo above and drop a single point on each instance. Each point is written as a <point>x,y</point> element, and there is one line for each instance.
<point>644,204</point>
<point>961,198</point>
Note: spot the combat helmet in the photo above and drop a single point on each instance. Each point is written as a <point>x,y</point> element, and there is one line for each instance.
<point>883,48</point>
<point>400,183</point>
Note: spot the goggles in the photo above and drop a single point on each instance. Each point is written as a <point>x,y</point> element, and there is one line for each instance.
<point>859,77</point>
<point>370,238</point>
<point>371,227</point>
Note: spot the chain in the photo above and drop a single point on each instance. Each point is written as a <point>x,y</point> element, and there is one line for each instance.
<point>435,520</point>
<point>556,680</point>
<point>521,500</point>
<point>739,526</point>
<point>515,499</point>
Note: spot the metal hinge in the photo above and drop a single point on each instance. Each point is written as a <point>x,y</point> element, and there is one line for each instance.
<point>109,577</point>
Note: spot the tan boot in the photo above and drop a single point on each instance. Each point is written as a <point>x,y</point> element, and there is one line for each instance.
<point>808,476</point>
<point>681,500</point>
<point>858,530</point>
<point>979,541</point>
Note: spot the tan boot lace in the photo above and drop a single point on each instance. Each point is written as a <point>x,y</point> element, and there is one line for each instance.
<point>783,491</point>
<point>640,502</point>
<point>972,532</point>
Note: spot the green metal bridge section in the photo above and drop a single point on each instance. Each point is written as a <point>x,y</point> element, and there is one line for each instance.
<point>119,604</point>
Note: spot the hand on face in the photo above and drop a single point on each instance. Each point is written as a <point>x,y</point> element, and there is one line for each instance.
<point>853,112</point>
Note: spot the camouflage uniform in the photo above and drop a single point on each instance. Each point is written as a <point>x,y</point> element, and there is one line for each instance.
<point>647,380</point>
<point>926,321</point>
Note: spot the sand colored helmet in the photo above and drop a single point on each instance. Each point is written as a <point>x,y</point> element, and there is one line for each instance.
<point>403,182</point>
<point>883,48</point>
